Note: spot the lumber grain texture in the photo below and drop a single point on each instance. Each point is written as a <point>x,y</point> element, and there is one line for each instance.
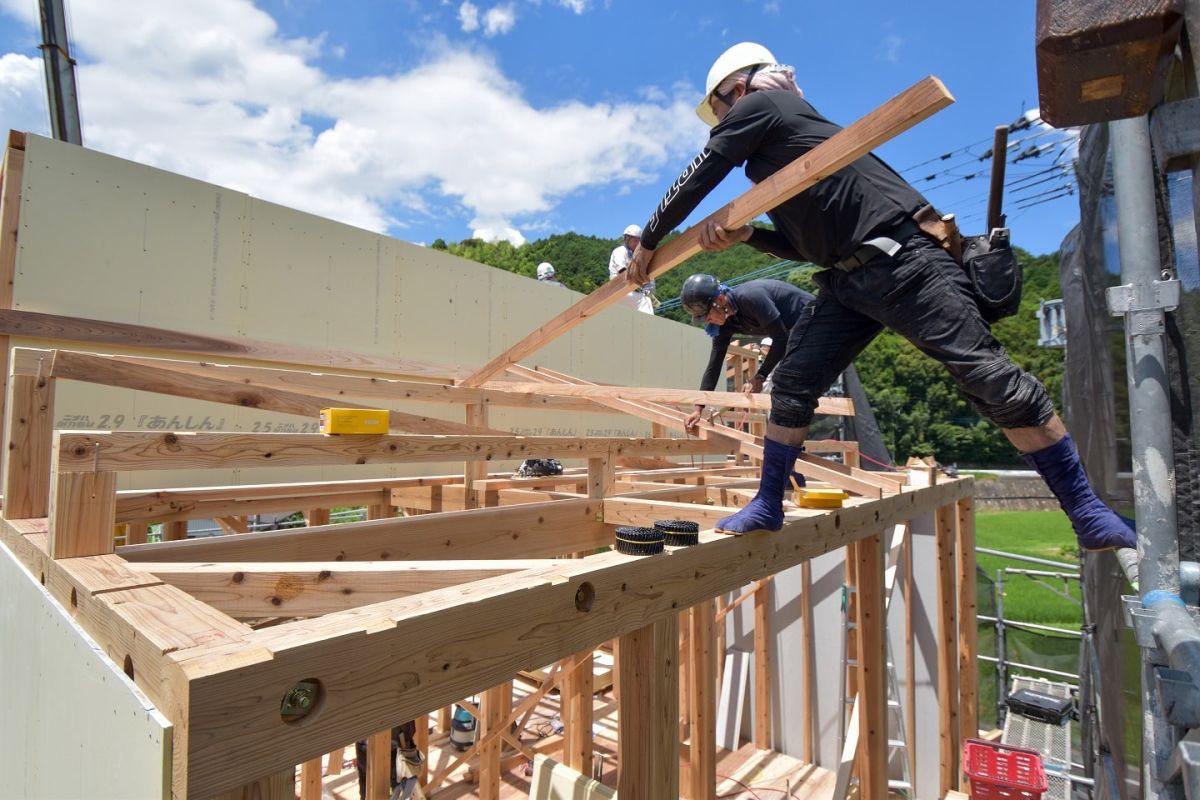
<point>54,327</point>
<point>136,450</point>
<point>922,100</point>
<point>412,655</point>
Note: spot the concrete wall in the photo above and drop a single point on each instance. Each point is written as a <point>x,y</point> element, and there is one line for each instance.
<point>105,238</point>
<point>71,724</point>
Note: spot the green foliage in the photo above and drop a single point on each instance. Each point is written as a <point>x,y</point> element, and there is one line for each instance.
<point>919,409</point>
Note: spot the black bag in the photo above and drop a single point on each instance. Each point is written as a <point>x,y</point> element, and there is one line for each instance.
<point>994,272</point>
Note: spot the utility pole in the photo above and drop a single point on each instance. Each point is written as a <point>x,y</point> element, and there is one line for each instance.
<point>60,73</point>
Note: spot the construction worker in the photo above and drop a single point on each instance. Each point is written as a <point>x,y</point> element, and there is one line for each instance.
<point>642,297</point>
<point>755,308</point>
<point>881,270</point>
<point>546,274</point>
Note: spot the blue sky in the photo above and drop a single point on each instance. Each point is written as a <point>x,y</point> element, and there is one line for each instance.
<point>518,119</point>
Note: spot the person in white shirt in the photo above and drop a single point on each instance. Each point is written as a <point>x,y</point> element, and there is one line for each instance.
<point>546,274</point>
<point>640,298</point>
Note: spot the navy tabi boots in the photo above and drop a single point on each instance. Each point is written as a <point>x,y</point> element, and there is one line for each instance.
<point>765,511</point>
<point>1096,525</point>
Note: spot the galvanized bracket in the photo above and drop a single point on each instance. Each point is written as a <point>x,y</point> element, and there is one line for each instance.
<point>1179,695</point>
<point>1143,306</point>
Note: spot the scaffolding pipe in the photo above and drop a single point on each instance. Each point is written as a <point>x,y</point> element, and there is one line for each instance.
<point>1150,413</point>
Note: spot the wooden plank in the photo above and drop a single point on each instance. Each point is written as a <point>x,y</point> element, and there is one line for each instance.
<point>109,371</point>
<point>762,665</point>
<point>497,705</point>
<point>276,786</point>
<point>253,590</point>
<point>54,327</point>
<point>82,514</point>
<point>28,455</point>
<point>808,662</point>
<point>379,756</point>
<point>702,751</point>
<point>947,651</point>
<point>843,148</point>
<point>837,406</point>
<point>968,670</point>
<point>538,530</point>
<point>310,779</point>
<point>12,177</point>
<point>137,450</point>
<point>872,669</point>
<point>648,739</point>
<point>412,655</point>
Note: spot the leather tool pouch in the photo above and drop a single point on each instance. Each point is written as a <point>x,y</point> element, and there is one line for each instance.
<point>994,272</point>
<point>943,229</point>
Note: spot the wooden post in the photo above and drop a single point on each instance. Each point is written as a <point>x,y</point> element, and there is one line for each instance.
<point>648,741</point>
<point>497,705</point>
<point>83,512</point>
<point>872,671</point>
<point>310,780</point>
<point>968,671</point>
<point>12,174</point>
<point>27,458</point>
<point>379,772</point>
<point>476,416</point>
<point>807,659</point>
<point>421,739</point>
<point>278,786</point>
<point>136,532</point>
<point>910,652</point>
<point>316,516</point>
<point>703,702</point>
<point>762,665</point>
<point>175,531</point>
<point>576,712</point>
<point>947,654</point>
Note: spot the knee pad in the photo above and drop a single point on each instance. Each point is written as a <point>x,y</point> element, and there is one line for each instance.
<point>1008,396</point>
<point>792,411</point>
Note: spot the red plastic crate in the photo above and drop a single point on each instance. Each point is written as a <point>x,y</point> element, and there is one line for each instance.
<point>1000,771</point>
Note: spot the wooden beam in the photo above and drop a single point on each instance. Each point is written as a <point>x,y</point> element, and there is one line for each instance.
<point>82,513</point>
<point>702,749</point>
<point>762,664</point>
<point>872,670</point>
<point>840,150</point>
<point>108,371</point>
<point>253,590</point>
<point>36,325</point>
<point>137,450</point>
<point>540,530</point>
<point>30,437</point>
<point>968,668</point>
<point>947,650</point>
<point>648,739</point>
<point>411,655</point>
<point>12,177</point>
<point>838,406</point>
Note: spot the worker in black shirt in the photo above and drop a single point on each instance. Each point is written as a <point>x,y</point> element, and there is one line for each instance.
<point>881,271</point>
<point>761,307</point>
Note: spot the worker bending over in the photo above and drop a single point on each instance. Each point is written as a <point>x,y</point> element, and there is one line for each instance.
<point>880,271</point>
<point>756,308</point>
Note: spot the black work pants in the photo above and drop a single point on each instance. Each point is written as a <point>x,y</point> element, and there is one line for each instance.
<point>923,295</point>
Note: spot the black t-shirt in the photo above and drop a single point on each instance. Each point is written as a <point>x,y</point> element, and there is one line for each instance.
<point>764,308</point>
<point>770,129</point>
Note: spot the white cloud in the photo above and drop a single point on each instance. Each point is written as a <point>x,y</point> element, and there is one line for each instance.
<point>578,6</point>
<point>468,16</point>
<point>771,7</point>
<point>214,91</point>
<point>889,49</point>
<point>499,19</point>
<point>22,94</point>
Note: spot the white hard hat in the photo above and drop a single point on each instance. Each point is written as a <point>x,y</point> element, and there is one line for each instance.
<point>766,342</point>
<point>545,270</point>
<point>738,57</point>
<point>633,230</point>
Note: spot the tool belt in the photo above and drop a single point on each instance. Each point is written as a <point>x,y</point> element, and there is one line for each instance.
<point>887,245</point>
<point>988,260</point>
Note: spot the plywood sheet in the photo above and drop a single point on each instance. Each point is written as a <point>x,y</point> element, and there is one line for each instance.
<point>66,703</point>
